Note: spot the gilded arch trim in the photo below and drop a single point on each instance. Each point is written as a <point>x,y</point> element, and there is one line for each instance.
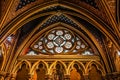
<point>19,65</point>
<point>34,67</point>
<point>71,66</point>
<point>97,64</point>
<point>54,64</point>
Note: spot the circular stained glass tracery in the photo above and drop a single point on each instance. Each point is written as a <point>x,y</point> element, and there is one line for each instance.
<point>51,36</point>
<point>59,41</point>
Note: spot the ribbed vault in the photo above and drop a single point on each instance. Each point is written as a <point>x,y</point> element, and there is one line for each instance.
<point>97,32</point>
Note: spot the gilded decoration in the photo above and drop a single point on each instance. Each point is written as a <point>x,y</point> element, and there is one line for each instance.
<point>59,40</point>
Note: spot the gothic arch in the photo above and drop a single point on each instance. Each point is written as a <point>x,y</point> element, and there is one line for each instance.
<point>53,65</point>
<point>35,66</point>
<point>98,66</point>
<point>70,67</point>
<point>19,65</point>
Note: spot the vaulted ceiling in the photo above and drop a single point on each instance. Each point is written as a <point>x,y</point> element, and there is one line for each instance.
<point>104,10</point>
<point>23,19</point>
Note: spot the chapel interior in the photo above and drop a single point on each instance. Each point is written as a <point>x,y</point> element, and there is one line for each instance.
<point>59,39</point>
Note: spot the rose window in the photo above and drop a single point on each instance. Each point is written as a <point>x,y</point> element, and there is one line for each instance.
<point>59,41</point>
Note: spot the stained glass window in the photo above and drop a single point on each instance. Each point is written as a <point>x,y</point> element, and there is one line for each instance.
<point>60,41</point>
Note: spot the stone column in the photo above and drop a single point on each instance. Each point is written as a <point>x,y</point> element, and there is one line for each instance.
<point>86,76</point>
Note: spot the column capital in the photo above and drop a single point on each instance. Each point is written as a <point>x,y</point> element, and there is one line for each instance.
<point>30,76</point>
<point>8,76</point>
<point>13,75</point>
<point>3,73</point>
<point>66,77</point>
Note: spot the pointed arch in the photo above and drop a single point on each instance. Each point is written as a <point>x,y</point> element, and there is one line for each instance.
<point>53,65</point>
<point>36,64</point>
<point>98,65</point>
<point>70,67</point>
<point>19,65</point>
